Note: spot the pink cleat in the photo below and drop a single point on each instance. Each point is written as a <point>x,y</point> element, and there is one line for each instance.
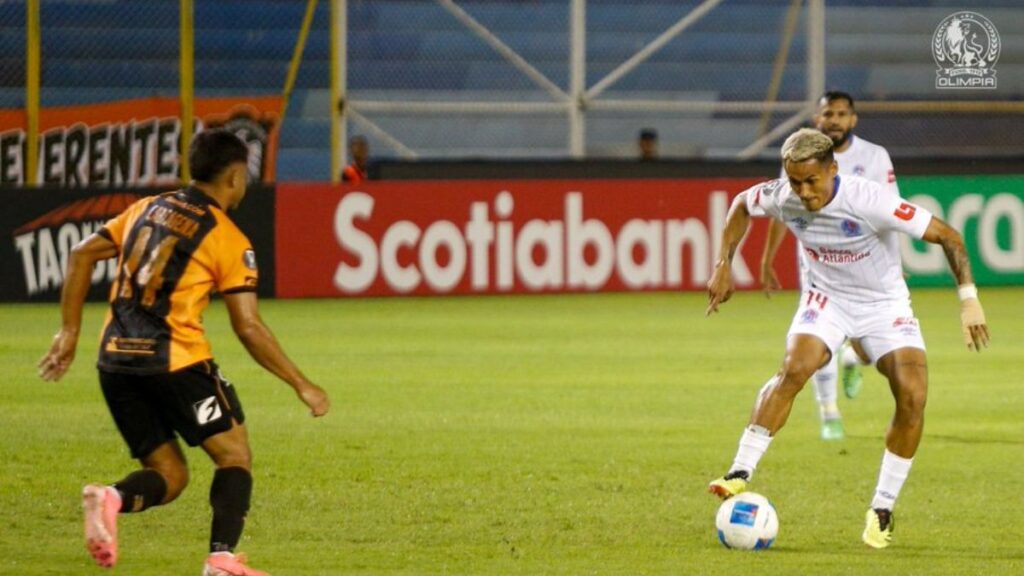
<point>228,564</point>
<point>101,505</point>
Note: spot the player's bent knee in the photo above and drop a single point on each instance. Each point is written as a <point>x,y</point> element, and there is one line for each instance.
<point>239,458</point>
<point>794,375</point>
<point>911,400</point>
<point>176,477</point>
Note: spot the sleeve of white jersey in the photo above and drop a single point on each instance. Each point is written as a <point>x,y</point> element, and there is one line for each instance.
<point>888,212</point>
<point>888,172</point>
<point>763,199</point>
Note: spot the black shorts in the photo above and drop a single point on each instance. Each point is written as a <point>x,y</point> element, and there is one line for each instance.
<point>196,402</point>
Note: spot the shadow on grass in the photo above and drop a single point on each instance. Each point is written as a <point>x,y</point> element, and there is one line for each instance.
<point>970,440</point>
<point>960,553</point>
<point>901,551</point>
<point>974,440</point>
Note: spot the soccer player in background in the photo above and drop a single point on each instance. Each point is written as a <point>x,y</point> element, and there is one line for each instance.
<point>836,118</point>
<point>156,369</point>
<point>854,289</point>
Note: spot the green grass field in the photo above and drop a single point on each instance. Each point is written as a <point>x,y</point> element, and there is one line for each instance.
<point>531,435</point>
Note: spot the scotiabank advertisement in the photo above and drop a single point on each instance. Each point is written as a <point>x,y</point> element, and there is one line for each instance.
<point>521,236</point>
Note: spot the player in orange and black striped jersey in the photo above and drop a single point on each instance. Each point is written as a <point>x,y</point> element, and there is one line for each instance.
<point>156,367</point>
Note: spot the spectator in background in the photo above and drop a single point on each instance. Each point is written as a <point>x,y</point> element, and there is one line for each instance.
<point>648,144</point>
<point>355,172</point>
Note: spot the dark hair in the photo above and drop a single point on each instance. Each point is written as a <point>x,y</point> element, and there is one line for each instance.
<point>358,138</point>
<point>648,134</point>
<point>212,151</point>
<point>833,95</point>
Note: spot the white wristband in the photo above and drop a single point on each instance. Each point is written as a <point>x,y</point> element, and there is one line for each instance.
<point>966,291</point>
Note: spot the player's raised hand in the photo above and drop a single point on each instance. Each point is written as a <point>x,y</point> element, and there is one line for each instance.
<point>60,356</point>
<point>720,287</point>
<point>972,324</point>
<point>316,398</point>
<point>769,280</point>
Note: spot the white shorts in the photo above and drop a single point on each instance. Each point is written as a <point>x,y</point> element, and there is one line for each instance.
<point>880,327</point>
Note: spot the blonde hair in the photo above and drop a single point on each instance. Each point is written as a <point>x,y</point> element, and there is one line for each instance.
<point>807,144</point>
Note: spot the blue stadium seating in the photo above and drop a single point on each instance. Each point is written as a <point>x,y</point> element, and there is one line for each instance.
<point>410,49</point>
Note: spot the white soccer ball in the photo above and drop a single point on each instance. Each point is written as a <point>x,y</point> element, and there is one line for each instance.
<point>747,521</point>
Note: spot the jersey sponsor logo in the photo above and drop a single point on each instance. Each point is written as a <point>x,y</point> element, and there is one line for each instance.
<point>966,46</point>
<point>135,346</point>
<point>207,410</point>
<point>249,259</point>
<point>827,255</point>
<point>851,228</point>
<point>905,211</point>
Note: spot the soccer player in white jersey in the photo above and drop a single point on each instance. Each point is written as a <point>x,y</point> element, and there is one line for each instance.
<point>836,118</point>
<point>855,289</point>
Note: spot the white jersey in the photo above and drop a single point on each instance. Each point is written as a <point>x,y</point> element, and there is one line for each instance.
<point>869,161</point>
<point>849,242</point>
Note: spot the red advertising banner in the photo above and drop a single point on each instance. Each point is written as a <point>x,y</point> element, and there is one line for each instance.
<point>493,237</point>
<point>132,142</point>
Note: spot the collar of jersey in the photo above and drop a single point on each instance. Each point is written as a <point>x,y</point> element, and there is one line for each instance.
<point>196,194</point>
<point>835,192</point>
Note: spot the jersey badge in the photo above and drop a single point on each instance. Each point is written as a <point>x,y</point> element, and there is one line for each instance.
<point>905,211</point>
<point>249,259</point>
<point>809,316</point>
<point>851,229</point>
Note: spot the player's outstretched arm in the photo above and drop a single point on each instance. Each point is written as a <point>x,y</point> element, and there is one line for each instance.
<point>769,280</point>
<point>77,278</point>
<point>264,348</point>
<point>721,286</point>
<point>972,317</point>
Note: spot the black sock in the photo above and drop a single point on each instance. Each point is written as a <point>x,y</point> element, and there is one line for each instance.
<point>229,496</point>
<point>141,489</point>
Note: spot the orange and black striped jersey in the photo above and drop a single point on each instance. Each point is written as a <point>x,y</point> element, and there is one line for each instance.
<point>175,250</point>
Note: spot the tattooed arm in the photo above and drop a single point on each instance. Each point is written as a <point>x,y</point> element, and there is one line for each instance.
<point>972,317</point>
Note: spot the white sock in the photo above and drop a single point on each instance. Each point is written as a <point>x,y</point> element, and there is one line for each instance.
<point>825,389</point>
<point>890,480</point>
<point>849,355</point>
<point>753,444</point>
